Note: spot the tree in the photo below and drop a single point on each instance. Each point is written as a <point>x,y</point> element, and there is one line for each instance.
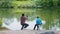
<point>44,3</point>
<point>5,4</point>
<point>58,3</point>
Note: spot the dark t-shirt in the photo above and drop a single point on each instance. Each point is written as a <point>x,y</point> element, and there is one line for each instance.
<point>23,19</point>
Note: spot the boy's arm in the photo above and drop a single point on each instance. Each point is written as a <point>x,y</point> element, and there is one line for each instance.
<point>26,17</point>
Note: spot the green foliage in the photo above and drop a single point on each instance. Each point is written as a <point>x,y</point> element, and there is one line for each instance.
<point>0,22</point>
<point>5,4</point>
<point>21,0</point>
<point>7,0</point>
<point>48,3</point>
<point>15,0</point>
<point>58,3</point>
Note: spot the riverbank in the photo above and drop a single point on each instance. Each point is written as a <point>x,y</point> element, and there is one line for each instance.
<point>3,28</point>
<point>29,32</point>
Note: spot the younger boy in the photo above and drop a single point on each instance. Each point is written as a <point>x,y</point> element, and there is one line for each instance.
<point>38,23</point>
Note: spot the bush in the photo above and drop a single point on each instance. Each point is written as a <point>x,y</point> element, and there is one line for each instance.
<point>5,4</point>
<point>48,3</point>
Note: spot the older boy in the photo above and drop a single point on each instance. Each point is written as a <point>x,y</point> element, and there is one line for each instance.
<point>23,19</point>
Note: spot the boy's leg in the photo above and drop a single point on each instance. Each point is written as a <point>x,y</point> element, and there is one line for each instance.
<point>22,27</point>
<point>26,25</point>
<point>34,26</point>
<point>37,27</point>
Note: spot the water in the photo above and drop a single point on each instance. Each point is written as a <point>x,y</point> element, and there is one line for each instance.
<point>15,25</point>
<point>11,18</point>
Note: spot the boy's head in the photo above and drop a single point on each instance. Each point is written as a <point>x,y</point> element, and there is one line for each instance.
<point>23,14</point>
<point>37,16</point>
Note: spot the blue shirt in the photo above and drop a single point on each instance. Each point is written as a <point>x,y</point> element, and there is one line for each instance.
<point>38,21</point>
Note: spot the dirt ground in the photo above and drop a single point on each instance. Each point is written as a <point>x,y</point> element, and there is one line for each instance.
<point>28,32</point>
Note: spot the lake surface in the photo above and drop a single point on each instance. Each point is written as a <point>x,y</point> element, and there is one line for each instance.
<point>50,16</point>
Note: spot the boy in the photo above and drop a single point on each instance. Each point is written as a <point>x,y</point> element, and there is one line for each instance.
<point>38,23</point>
<point>23,19</point>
